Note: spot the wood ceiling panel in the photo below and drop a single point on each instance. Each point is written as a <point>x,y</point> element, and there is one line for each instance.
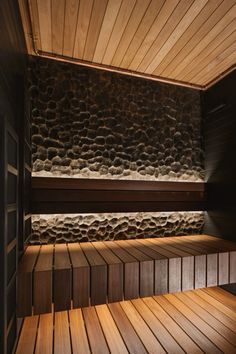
<point>219,61</point>
<point>58,16</point>
<point>45,27</point>
<point>188,34</point>
<point>119,27</point>
<point>188,42</point>
<point>179,30</point>
<point>199,35</point>
<point>96,19</point>
<point>207,40</point>
<point>159,23</point>
<point>85,10</point>
<point>226,38</point>
<point>130,30</point>
<point>163,36</point>
<point>141,32</point>
<point>112,10</point>
<point>71,16</point>
<point>35,23</point>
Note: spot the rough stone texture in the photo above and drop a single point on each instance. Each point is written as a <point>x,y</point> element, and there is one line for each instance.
<point>96,124</point>
<point>94,227</point>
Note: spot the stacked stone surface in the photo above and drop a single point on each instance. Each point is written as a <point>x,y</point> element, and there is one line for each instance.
<point>94,124</point>
<point>108,226</point>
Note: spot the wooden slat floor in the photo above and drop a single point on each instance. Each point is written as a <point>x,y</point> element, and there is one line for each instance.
<point>197,321</point>
<point>94,273</point>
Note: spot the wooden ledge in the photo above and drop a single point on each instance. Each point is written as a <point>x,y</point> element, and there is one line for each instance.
<point>74,195</point>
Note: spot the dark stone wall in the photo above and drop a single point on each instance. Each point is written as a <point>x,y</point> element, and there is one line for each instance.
<point>110,226</point>
<point>92,123</point>
<point>220,162</point>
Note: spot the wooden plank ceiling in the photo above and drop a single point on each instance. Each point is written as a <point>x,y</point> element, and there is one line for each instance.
<point>189,42</point>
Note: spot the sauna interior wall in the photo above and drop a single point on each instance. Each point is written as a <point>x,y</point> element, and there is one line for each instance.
<point>15,161</point>
<point>88,123</point>
<point>220,162</point>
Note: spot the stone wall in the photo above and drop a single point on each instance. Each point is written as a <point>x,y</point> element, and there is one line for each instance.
<point>94,124</point>
<point>94,227</point>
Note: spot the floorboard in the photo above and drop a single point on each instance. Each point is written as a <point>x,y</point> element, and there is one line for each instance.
<point>196,321</point>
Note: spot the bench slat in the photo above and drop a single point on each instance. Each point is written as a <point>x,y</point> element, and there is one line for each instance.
<point>161,267</point>
<point>98,274</point>
<point>115,272</point>
<point>25,281</point>
<point>81,276</point>
<point>43,280</point>
<point>131,270</point>
<point>62,278</point>
<point>146,286</point>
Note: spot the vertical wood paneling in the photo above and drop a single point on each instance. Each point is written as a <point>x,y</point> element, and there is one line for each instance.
<point>13,67</point>
<point>220,144</point>
<point>43,281</point>
<point>62,278</point>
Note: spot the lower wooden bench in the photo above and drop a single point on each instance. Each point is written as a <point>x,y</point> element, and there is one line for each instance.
<point>64,276</point>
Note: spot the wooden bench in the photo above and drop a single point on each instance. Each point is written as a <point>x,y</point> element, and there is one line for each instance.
<point>64,276</point>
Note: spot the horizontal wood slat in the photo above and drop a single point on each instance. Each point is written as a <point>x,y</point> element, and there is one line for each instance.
<point>196,321</point>
<point>109,184</point>
<point>99,272</point>
<point>68,195</point>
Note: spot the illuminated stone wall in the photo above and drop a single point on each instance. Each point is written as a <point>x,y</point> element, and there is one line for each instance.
<point>94,227</point>
<point>93,124</point>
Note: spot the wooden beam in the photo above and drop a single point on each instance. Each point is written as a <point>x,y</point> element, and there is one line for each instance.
<point>69,195</point>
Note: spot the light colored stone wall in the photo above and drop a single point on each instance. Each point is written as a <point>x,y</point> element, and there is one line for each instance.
<point>113,226</point>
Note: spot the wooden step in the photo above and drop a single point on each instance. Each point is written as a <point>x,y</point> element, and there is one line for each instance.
<point>92,273</point>
<point>196,321</point>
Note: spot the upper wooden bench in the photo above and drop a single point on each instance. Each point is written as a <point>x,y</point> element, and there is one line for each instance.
<point>64,276</point>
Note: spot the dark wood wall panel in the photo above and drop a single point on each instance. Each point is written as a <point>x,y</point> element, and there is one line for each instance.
<point>219,103</point>
<point>12,105</point>
<point>66,195</point>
